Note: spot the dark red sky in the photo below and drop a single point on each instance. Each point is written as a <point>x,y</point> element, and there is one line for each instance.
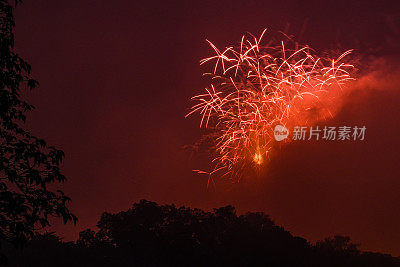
<point>115,82</point>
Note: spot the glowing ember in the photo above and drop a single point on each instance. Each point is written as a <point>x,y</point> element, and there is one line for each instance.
<point>258,158</point>
<point>255,87</point>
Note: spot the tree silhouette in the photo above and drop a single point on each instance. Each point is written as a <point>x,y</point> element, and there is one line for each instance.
<point>27,164</point>
<point>152,235</point>
<point>149,234</point>
<point>339,244</point>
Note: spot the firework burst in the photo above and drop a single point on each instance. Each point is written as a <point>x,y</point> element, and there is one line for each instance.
<point>255,86</point>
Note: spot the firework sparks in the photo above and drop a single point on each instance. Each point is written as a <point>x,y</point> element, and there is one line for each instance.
<point>255,87</point>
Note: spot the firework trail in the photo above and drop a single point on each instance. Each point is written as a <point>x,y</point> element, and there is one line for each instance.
<point>255,87</point>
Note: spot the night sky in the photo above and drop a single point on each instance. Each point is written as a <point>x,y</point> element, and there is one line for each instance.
<point>115,82</point>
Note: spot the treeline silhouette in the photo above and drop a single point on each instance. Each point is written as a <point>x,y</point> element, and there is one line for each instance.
<point>149,234</point>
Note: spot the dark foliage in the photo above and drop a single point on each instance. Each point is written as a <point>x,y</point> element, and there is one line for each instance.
<point>152,235</point>
<point>27,164</point>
